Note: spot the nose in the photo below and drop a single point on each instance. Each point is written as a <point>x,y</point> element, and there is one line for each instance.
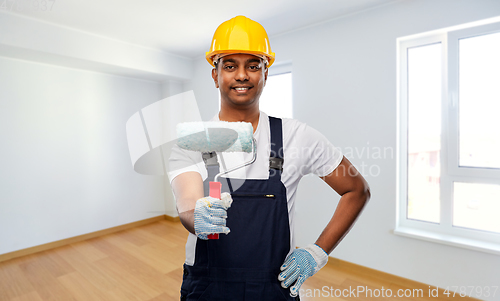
<point>241,74</point>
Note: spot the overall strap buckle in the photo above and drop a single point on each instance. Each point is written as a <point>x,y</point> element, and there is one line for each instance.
<point>276,163</point>
<point>210,159</point>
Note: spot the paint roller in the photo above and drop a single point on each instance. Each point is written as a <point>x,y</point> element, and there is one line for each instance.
<point>217,136</point>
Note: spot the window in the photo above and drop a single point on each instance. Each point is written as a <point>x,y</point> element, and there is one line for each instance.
<point>449,137</point>
<point>276,99</point>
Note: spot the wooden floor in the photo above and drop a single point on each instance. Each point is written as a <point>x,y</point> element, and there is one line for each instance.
<point>145,264</point>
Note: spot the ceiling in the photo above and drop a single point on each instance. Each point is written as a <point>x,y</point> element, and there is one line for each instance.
<point>185,28</point>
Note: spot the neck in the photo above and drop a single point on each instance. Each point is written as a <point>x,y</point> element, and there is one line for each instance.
<point>234,115</point>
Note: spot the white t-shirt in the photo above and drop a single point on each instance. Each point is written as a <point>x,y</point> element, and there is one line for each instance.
<point>305,151</point>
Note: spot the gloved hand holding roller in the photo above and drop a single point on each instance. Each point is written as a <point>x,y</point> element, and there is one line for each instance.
<point>210,212</point>
<point>210,215</point>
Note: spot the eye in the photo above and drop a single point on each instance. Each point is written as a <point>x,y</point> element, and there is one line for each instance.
<point>254,67</point>
<point>229,67</point>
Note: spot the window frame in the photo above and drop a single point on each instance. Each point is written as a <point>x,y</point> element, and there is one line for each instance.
<point>468,173</point>
<point>444,231</point>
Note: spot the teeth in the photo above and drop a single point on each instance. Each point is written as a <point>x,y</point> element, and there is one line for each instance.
<point>241,89</point>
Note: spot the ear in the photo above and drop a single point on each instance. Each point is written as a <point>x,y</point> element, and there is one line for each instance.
<point>265,76</point>
<point>215,76</point>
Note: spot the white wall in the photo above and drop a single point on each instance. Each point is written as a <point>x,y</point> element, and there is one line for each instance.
<point>207,96</point>
<point>82,117</point>
<point>344,84</point>
<point>40,41</point>
<point>65,167</point>
<point>170,88</point>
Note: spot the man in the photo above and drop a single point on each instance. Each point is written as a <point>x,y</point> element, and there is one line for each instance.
<point>257,259</point>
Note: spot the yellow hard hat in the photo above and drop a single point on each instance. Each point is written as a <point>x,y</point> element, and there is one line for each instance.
<point>240,35</point>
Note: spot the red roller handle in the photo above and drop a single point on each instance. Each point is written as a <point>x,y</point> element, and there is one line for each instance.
<point>215,188</point>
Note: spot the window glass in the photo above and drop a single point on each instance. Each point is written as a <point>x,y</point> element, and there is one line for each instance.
<point>476,206</point>
<point>479,101</point>
<point>276,99</point>
<point>424,132</point>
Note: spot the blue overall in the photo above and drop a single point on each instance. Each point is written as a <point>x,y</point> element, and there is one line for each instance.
<point>244,265</point>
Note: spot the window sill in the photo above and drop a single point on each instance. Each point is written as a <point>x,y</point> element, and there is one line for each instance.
<point>450,240</point>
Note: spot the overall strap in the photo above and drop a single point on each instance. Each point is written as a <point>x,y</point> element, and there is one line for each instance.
<point>276,157</point>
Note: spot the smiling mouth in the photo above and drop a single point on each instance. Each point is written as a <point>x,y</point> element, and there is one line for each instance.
<point>242,89</point>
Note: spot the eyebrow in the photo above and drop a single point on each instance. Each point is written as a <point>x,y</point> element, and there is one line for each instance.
<point>252,60</point>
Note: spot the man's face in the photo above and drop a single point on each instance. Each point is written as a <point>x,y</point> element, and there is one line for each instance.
<point>240,79</point>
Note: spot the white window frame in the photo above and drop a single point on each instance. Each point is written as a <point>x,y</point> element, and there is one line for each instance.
<point>443,232</point>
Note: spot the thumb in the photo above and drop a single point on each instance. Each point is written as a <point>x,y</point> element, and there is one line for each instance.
<point>226,199</point>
